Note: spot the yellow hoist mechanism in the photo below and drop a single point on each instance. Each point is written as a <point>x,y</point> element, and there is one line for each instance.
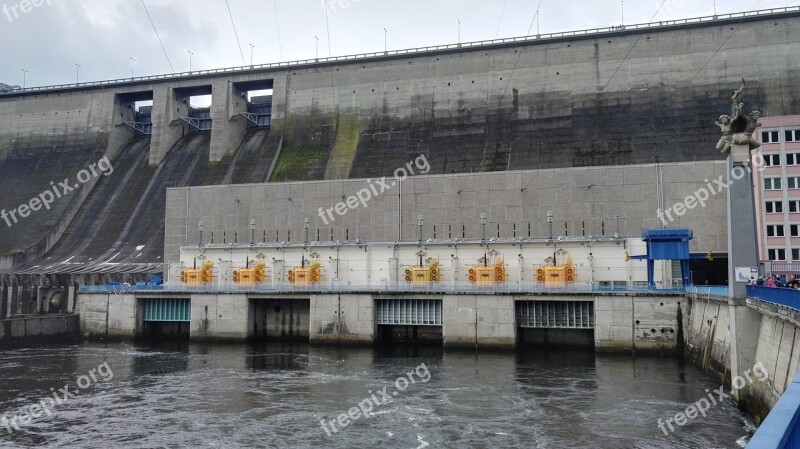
<point>303,275</point>
<point>250,276</point>
<point>556,275</point>
<point>487,275</point>
<point>420,275</point>
<point>196,276</point>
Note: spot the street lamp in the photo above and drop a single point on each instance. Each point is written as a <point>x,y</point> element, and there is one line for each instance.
<point>77,73</point>
<point>385,40</point>
<point>133,64</point>
<point>252,231</point>
<point>550,219</point>
<point>420,222</point>
<point>24,72</point>
<point>317,48</point>
<point>483,227</point>
<point>190,60</point>
<point>200,228</point>
<point>251,54</point>
<point>306,225</point>
<point>459,32</point>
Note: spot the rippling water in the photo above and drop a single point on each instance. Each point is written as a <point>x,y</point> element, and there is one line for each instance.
<point>274,395</point>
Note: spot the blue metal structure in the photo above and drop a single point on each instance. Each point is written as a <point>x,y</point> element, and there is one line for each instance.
<point>786,297</point>
<point>668,244</point>
<point>780,429</point>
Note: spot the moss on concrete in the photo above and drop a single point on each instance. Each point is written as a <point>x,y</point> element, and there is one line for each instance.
<point>299,163</point>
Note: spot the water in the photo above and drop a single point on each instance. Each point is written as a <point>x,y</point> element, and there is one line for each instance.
<point>274,395</point>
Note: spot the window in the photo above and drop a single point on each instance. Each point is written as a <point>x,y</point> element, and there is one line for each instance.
<point>773,183</point>
<point>794,206</point>
<point>775,231</point>
<point>794,182</point>
<point>777,254</point>
<point>770,137</point>
<point>793,159</point>
<point>795,254</point>
<point>772,160</point>
<point>793,135</point>
<point>794,230</point>
<point>774,207</point>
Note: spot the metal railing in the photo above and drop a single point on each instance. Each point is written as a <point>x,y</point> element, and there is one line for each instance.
<point>413,51</point>
<point>708,290</point>
<point>781,428</point>
<point>432,288</point>
<point>787,297</point>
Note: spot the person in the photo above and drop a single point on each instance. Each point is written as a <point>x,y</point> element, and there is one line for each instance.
<point>793,282</point>
<point>778,282</point>
<point>770,282</point>
<point>760,281</point>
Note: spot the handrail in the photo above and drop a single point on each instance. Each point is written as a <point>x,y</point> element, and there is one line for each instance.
<point>381,54</point>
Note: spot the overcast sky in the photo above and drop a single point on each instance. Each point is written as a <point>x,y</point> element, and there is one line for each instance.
<point>102,35</point>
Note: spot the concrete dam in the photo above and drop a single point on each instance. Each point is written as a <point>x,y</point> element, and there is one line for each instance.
<point>576,101</point>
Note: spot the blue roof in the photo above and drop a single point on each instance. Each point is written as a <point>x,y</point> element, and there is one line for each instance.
<point>679,234</point>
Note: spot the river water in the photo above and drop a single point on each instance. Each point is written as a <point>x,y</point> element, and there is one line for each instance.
<point>173,395</point>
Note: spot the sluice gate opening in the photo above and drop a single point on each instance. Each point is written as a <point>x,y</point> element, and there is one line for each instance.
<point>279,319</point>
<point>166,317</point>
<point>555,323</point>
<point>417,321</point>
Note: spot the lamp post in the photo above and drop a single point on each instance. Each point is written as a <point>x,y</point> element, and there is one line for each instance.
<point>550,220</point>
<point>200,228</point>
<point>483,227</point>
<point>252,231</point>
<point>77,73</point>
<point>133,64</point>
<point>316,48</point>
<point>251,54</point>
<point>459,32</point>
<point>306,226</point>
<point>190,60</point>
<point>385,40</point>
<point>24,72</point>
<point>420,222</point>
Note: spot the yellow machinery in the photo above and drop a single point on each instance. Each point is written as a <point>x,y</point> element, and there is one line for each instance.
<point>250,276</point>
<point>552,276</point>
<point>303,275</point>
<point>421,275</point>
<point>487,275</point>
<point>196,276</point>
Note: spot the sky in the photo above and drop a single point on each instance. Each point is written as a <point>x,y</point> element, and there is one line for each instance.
<point>43,40</point>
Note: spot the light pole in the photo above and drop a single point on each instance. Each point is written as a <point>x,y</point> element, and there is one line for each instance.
<point>77,73</point>
<point>200,228</point>
<point>24,72</point>
<point>316,48</point>
<point>133,64</point>
<point>190,60</point>
<point>459,31</point>
<point>251,54</point>
<point>306,225</point>
<point>252,231</point>
<point>385,40</point>
<point>420,222</point>
<point>483,227</point>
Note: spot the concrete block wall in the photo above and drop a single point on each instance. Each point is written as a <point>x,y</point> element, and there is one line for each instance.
<point>585,200</point>
<point>627,323</point>
<point>108,315</point>
<point>708,335</point>
<point>31,328</point>
<point>219,317</point>
<point>478,321</point>
<point>342,319</point>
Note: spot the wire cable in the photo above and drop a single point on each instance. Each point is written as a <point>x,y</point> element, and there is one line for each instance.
<point>278,27</point>
<point>159,37</point>
<point>238,44</point>
<point>632,47</point>
<point>503,11</point>
<point>724,43</point>
<point>519,55</point>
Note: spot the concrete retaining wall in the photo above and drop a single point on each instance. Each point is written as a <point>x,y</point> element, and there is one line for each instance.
<point>30,328</point>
